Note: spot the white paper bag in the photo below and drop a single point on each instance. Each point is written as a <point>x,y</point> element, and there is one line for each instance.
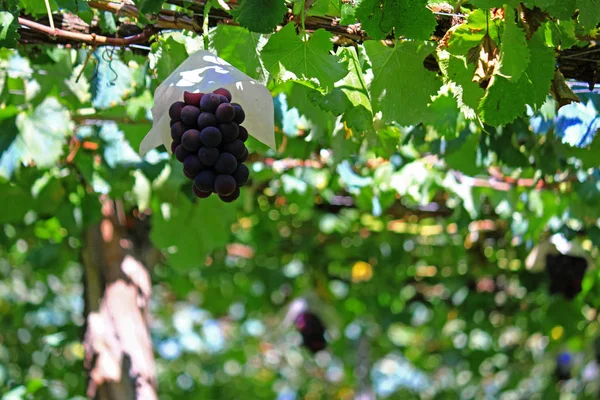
<point>205,72</point>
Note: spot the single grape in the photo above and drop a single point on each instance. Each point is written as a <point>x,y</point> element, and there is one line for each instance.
<point>193,99</point>
<point>189,175</point>
<point>175,110</point>
<point>189,115</point>
<point>205,180</point>
<point>171,123</point>
<point>232,197</point>
<point>225,112</point>
<point>208,155</point>
<point>222,99</point>
<point>243,133</point>
<point>174,146</point>
<point>181,153</point>
<point>229,130</point>
<point>235,147</point>
<point>192,164</point>
<point>241,174</point>
<point>240,115</point>
<point>209,102</point>
<point>177,130</point>
<point>206,119</point>
<point>244,157</point>
<point>226,163</point>
<point>191,140</point>
<point>199,193</point>
<point>224,185</point>
<point>223,92</point>
<point>211,136</point>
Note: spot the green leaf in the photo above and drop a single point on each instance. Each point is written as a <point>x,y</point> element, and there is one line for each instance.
<point>401,86</point>
<point>561,9</point>
<point>9,25</point>
<point>468,35</point>
<point>172,53</point>
<point>322,8</point>
<point>42,133</point>
<point>506,100</point>
<point>261,16</point>
<point>239,47</point>
<point>360,116</point>
<point>589,13</point>
<point>287,56</point>
<point>459,71</point>
<point>514,53</point>
<point>408,18</point>
<point>335,102</point>
<point>149,6</point>
<point>191,230</point>
<point>465,159</point>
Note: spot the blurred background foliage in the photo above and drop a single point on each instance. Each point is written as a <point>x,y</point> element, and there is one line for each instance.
<point>409,239</point>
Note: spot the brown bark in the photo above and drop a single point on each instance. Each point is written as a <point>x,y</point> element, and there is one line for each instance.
<point>119,356</point>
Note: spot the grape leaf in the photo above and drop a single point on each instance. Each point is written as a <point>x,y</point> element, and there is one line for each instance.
<point>287,56</point>
<point>401,87</point>
<point>192,230</point>
<point>260,16</point>
<point>239,47</point>
<point>172,53</point>
<point>460,72</point>
<point>514,53</point>
<point>408,18</point>
<point>505,100</point>
<point>149,6</point>
<point>360,116</point>
<point>9,26</point>
<point>113,79</point>
<point>42,133</point>
<point>8,30</point>
<point>589,13</point>
<point>335,102</point>
<point>468,35</point>
<point>562,9</point>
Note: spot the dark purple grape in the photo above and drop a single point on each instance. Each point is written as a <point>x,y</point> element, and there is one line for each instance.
<point>177,130</point>
<point>222,99</point>
<point>199,193</point>
<point>206,119</point>
<point>192,164</point>
<point>225,112</point>
<point>242,134</point>
<point>175,110</point>
<point>224,185</point>
<point>223,92</point>
<point>181,153</point>
<point>226,163</point>
<point>312,330</point>
<point>229,130</point>
<point>171,123</point>
<point>209,102</point>
<point>193,99</point>
<point>211,136</point>
<point>189,175</point>
<point>235,147</point>
<point>208,155</point>
<point>232,197</point>
<point>205,180</point>
<point>241,174</point>
<point>244,157</point>
<point>191,140</point>
<point>189,115</point>
<point>174,146</point>
<point>240,115</point>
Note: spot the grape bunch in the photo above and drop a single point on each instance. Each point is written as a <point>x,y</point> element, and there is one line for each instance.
<point>209,140</point>
<point>566,274</point>
<point>312,330</point>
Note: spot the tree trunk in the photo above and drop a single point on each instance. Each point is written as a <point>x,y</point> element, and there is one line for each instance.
<point>119,357</point>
